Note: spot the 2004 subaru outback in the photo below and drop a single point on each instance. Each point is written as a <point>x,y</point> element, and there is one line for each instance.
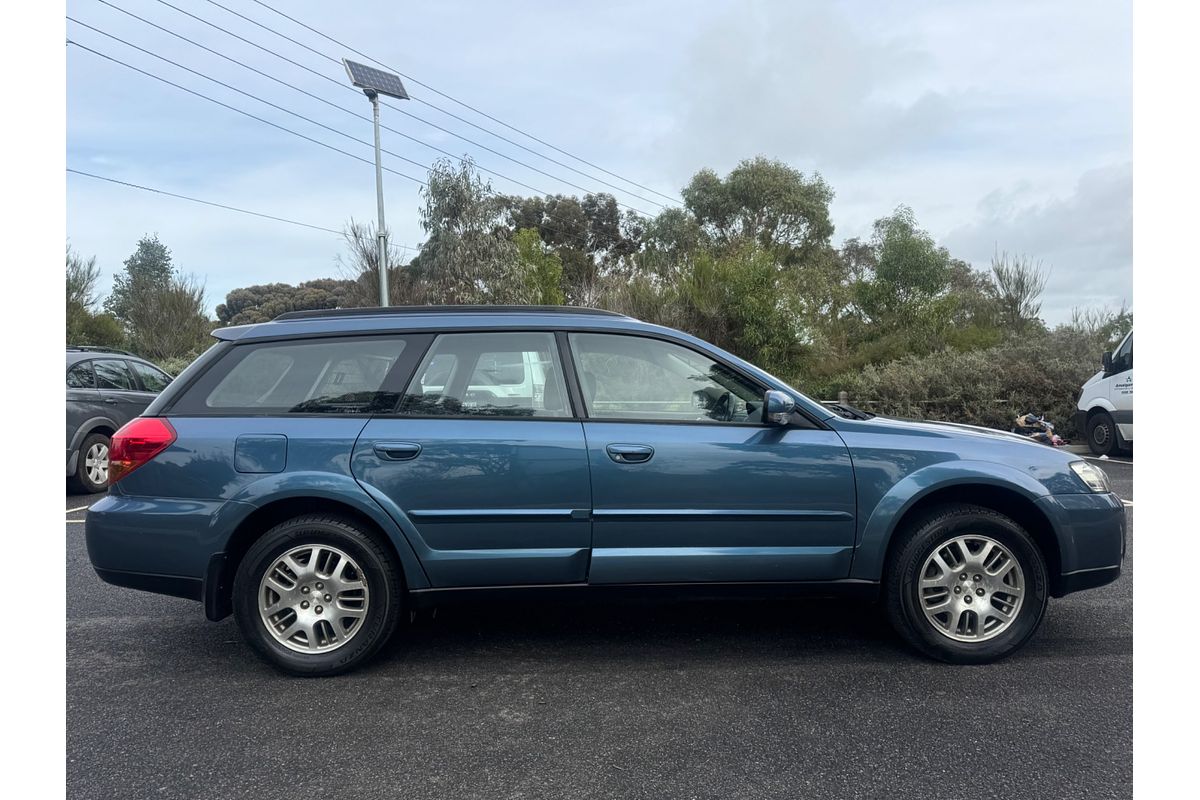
<point>317,474</point>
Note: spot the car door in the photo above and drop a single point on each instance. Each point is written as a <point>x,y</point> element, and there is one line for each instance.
<point>688,484</point>
<point>491,485</point>
<point>119,391</point>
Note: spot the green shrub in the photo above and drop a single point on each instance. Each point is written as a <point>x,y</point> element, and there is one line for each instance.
<point>990,387</point>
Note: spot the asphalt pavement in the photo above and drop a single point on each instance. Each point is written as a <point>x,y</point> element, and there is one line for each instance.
<point>625,698</point>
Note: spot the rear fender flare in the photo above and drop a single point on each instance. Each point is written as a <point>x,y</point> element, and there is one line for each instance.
<point>86,428</point>
<point>336,489</point>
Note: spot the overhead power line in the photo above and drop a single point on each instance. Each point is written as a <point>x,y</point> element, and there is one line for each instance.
<point>580,240</point>
<point>394,107</point>
<point>281,82</point>
<point>204,202</point>
<point>240,111</point>
<point>466,105</point>
<point>436,107</point>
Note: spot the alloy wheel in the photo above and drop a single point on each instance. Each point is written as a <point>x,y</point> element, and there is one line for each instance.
<point>971,588</point>
<point>95,463</point>
<point>313,598</point>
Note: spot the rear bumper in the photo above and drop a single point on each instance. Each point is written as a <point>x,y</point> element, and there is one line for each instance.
<point>162,545</point>
<point>174,585</point>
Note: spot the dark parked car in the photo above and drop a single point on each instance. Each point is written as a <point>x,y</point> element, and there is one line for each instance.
<point>105,389</point>
<point>319,475</point>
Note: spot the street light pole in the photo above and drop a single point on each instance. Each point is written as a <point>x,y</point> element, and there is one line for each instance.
<point>375,82</point>
<point>381,230</point>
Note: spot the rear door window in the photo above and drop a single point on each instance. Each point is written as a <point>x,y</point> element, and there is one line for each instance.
<point>489,374</point>
<point>113,375</point>
<point>315,376</point>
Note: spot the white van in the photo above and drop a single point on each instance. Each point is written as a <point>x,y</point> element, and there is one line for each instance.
<point>1105,409</point>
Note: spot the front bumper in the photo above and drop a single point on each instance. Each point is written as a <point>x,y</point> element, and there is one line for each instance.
<point>1091,539</point>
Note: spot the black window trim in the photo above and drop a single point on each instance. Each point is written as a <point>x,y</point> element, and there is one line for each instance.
<point>427,335</point>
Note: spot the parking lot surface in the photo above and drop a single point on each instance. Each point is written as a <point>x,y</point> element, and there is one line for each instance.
<point>624,698</point>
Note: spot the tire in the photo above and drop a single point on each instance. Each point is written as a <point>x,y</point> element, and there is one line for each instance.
<point>371,578</point>
<point>91,478</point>
<point>1102,434</point>
<point>948,527</point>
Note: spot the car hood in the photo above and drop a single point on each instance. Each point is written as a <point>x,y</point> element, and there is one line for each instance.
<point>950,429</point>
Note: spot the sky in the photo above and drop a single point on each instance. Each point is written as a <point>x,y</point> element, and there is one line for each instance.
<point>1005,126</point>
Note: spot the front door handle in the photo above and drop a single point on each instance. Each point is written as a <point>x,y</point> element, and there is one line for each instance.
<point>630,453</point>
<point>397,451</point>
<point>112,401</point>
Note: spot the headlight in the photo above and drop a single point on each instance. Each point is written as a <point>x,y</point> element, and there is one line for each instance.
<point>1093,476</point>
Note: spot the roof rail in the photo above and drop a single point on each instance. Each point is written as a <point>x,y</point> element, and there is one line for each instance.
<point>376,311</point>
<point>88,348</point>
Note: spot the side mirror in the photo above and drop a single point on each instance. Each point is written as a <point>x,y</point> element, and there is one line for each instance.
<point>1106,362</point>
<point>777,407</point>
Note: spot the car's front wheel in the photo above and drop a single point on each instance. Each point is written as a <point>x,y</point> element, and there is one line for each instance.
<point>317,595</point>
<point>966,585</point>
<point>1102,434</point>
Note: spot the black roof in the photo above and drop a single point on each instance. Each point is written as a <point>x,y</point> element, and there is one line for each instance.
<point>375,311</point>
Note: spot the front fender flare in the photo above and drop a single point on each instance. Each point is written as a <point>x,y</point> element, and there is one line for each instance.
<point>881,524</point>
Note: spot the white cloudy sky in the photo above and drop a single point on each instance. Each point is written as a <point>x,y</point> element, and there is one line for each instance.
<point>1005,125</point>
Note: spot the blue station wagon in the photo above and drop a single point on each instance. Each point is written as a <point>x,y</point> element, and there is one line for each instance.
<point>319,475</point>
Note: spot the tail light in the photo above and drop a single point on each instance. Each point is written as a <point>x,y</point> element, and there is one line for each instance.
<point>138,441</point>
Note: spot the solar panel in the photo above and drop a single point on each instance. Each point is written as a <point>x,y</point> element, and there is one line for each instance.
<point>365,77</point>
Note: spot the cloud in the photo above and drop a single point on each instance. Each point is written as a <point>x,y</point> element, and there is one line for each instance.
<point>801,81</point>
<point>1085,238</point>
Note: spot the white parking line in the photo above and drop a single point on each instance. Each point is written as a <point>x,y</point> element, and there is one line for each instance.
<point>1107,460</point>
<point>1128,503</point>
<point>81,508</point>
<point>76,521</point>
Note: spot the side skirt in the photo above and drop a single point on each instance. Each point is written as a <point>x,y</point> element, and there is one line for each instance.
<point>583,592</point>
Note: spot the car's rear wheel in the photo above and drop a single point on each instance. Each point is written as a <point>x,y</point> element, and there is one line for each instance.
<point>1102,434</point>
<point>91,467</point>
<point>317,595</point>
<point>966,585</point>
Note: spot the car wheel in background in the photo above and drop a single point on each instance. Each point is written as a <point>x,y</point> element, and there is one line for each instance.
<point>966,585</point>
<point>1102,434</point>
<point>91,468</point>
<point>317,595</point>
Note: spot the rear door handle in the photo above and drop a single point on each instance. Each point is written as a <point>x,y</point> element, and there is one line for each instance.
<point>112,401</point>
<point>397,451</point>
<point>630,453</point>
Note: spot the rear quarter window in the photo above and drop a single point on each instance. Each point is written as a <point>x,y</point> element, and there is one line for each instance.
<point>313,376</point>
